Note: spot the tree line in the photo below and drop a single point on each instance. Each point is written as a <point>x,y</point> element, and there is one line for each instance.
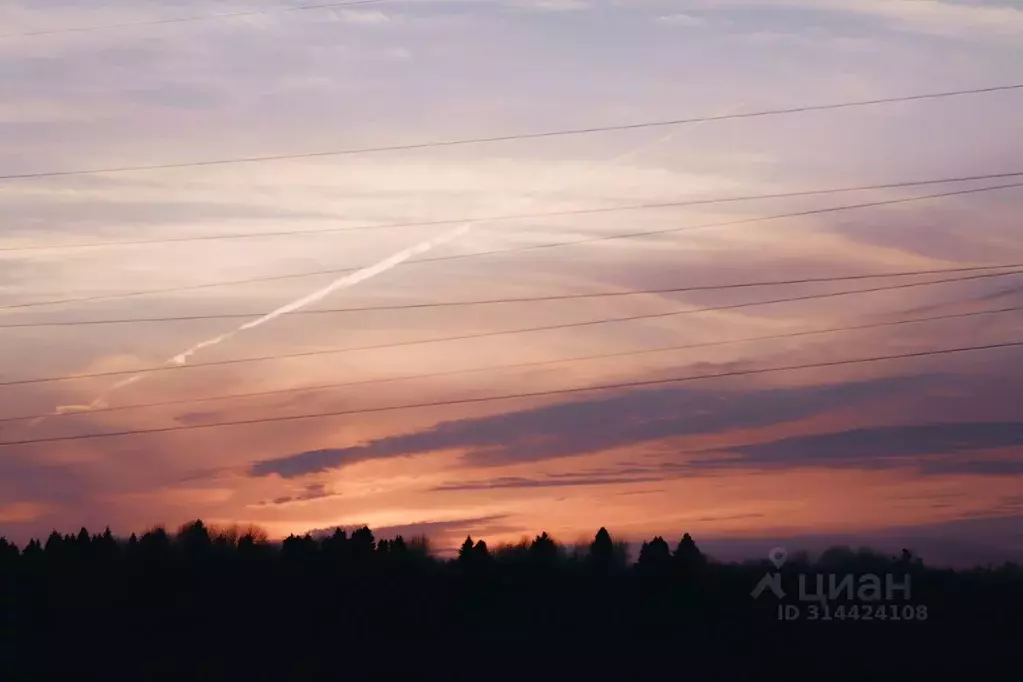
<point>235,587</point>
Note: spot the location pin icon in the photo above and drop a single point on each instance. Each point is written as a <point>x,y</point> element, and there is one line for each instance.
<point>778,556</point>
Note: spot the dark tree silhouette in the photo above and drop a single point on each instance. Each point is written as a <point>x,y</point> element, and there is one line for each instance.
<point>56,548</point>
<point>194,538</point>
<point>688,558</point>
<point>465,551</point>
<point>155,542</point>
<point>33,551</point>
<point>209,593</point>
<point>105,547</point>
<point>543,550</point>
<point>655,557</point>
<point>362,544</point>
<point>602,552</point>
<point>299,548</point>
<point>246,546</point>
<point>481,553</point>
<point>336,547</point>
<point>8,552</point>
<point>473,557</point>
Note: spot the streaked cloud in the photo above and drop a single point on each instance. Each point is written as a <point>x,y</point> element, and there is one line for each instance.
<point>568,429</point>
<point>948,447</point>
<point>679,19</point>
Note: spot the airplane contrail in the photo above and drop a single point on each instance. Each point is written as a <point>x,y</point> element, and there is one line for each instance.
<point>318,295</point>
<point>344,282</point>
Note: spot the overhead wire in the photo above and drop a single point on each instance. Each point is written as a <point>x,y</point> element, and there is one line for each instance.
<point>521,365</point>
<point>491,334</point>
<point>516,300</point>
<point>511,217</point>
<point>517,137</point>
<point>512,396</point>
<point>517,249</point>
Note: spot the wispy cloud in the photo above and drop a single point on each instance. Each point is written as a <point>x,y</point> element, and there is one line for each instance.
<point>312,492</point>
<point>679,19</point>
<point>568,429</point>
<point>937,17</point>
<point>505,482</point>
<point>940,448</point>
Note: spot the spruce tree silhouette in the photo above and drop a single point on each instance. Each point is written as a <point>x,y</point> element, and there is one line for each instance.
<point>9,555</point>
<point>362,544</point>
<point>465,551</point>
<point>299,548</point>
<point>8,550</point>
<point>81,549</point>
<point>688,558</point>
<point>602,552</point>
<point>473,557</point>
<point>194,538</point>
<point>655,557</point>
<point>543,551</point>
<point>106,549</point>
<point>336,548</point>
<point>54,547</point>
<point>33,551</point>
<point>481,553</point>
<point>399,557</point>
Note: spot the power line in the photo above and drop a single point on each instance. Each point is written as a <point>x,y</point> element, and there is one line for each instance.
<point>520,136</point>
<point>521,365</point>
<point>175,290</point>
<point>182,20</point>
<point>514,396</point>
<point>512,217</point>
<point>510,332</point>
<point>727,223</point>
<point>516,249</point>
<point>500,301</point>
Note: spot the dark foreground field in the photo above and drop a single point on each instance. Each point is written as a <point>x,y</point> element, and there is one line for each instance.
<point>201,605</point>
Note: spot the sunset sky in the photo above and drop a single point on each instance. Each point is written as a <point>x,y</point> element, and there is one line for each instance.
<point>926,452</point>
